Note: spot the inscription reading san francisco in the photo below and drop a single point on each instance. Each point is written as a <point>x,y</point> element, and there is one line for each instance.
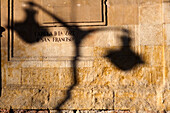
<point>55,36</point>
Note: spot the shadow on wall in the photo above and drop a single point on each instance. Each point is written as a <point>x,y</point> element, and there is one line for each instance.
<point>1,30</point>
<point>124,58</point>
<point>29,26</point>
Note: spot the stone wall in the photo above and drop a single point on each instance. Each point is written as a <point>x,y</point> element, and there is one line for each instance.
<point>85,55</point>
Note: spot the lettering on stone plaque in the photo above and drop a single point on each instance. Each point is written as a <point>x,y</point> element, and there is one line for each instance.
<point>55,36</point>
<point>54,33</point>
<point>52,39</point>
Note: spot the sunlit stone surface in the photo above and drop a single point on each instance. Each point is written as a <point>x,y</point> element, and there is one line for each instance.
<point>85,55</point>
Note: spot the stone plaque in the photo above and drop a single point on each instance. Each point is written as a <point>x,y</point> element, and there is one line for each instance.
<point>36,34</point>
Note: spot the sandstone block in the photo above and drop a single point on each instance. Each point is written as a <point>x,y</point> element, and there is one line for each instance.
<point>167,34</point>
<point>150,35</point>
<point>149,2</point>
<point>14,76</point>
<point>150,14</point>
<point>166,10</point>
<point>17,98</point>
<point>123,15</point>
<point>154,57</point>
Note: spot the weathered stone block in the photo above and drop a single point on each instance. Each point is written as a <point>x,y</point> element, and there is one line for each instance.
<point>40,76</point>
<point>89,40</point>
<point>16,98</point>
<point>149,2</point>
<point>40,98</point>
<point>119,14</point>
<point>14,76</point>
<point>26,79</point>
<point>103,98</point>
<point>150,35</point>
<point>167,34</point>
<point>101,38</point>
<point>166,98</point>
<point>79,99</point>
<point>85,76</point>
<point>150,14</point>
<point>152,55</point>
<point>66,77</point>
<point>166,11</point>
<point>55,97</point>
<point>130,99</point>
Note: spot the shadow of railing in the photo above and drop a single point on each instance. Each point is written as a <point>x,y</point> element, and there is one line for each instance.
<point>125,59</point>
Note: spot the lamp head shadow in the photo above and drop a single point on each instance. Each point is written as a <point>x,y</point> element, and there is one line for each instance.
<point>28,28</point>
<point>125,58</point>
<point>1,31</point>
